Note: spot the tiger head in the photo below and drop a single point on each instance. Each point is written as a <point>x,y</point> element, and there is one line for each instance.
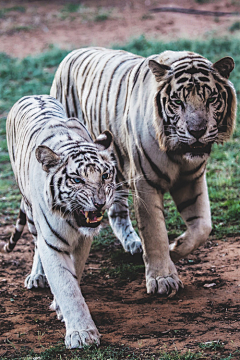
<point>80,181</point>
<point>195,103</point>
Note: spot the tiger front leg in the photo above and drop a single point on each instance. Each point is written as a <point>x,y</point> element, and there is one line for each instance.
<point>60,272</point>
<point>193,204</point>
<point>79,257</point>
<point>121,224</point>
<point>160,271</point>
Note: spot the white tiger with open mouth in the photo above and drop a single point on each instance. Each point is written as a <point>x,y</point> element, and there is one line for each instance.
<point>67,181</point>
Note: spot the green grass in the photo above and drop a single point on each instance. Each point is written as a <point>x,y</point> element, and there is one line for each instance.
<point>113,352</point>
<point>5,11</point>
<point>235,26</point>
<point>86,14</point>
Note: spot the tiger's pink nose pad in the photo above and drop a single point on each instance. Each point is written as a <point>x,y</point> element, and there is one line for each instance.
<point>99,206</point>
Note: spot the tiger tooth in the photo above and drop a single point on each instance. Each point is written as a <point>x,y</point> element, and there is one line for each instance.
<point>99,218</point>
<point>86,214</point>
<point>87,220</point>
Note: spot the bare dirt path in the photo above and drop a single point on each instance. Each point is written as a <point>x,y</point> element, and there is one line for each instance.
<point>31,26</point>
<point>206,310</point>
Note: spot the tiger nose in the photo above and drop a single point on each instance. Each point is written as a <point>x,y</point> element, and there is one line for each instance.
<point>99,206</point>
<point>197,133</point>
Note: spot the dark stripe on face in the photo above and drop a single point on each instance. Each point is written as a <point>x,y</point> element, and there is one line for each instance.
<point>54,231</point>
<point>223,127</point>
<point>204,79</point>
<point>159,106</point>
<point>185,204</point>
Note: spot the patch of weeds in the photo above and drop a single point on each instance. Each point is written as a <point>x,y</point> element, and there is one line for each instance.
<point>123,272</point>
<point>105,239</point>
<point>5,11</point>
<point>235,26</point>
<point>147,17</point>
<point>102,16</point>
<point>116,352</point>
<point>70,8</point>
<point>20,29</point>
<point>202,1</point>
<point>175,355</point>
<point>212,345</point>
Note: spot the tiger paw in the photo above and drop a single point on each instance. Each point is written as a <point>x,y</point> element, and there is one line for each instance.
<point>36,281</point>
<point>80,338</point>
<point>163,285</point>
<point>132,244</point>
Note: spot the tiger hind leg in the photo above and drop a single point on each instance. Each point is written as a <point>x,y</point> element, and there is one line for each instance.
<point>121,224</point>
<point>6,247</point>
<point>37,277</point>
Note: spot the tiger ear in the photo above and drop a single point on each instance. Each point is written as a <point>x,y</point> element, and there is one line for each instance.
<point>158,70</point>
<point>224,66</point>
<point>104,141</point>
<point>46,157</point>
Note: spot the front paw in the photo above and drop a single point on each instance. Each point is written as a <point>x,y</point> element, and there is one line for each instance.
<point>80,338</point>
<point>163,285</point>
<point>36,281</point>
<point>132,243</point>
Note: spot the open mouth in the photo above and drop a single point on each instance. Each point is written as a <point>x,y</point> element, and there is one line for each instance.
<point>89,218</point>
<point>198,148</point>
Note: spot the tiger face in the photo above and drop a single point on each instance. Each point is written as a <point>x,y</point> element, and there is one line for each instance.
<point>81,183</point>
<point>196,104</point>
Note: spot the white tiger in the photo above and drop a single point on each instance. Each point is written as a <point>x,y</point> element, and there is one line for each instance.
<point>165,112</point>
<point>66,181</point>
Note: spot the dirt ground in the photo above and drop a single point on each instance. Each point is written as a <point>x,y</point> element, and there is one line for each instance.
<point>208,308</point>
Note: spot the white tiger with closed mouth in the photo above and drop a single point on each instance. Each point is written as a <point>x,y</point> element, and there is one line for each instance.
<point>67,181</point>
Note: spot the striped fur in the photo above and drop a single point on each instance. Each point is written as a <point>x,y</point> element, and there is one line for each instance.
<point>165,112</point>
<point>66,181</point>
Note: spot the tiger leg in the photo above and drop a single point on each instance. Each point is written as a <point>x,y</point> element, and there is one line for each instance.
<point>160,271</point>
<point>37,276</point>
<point>193,204</point>
<point>60,271</point>
<point>79,257</point>
<point>21,222</point>
<point>121,224</point>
